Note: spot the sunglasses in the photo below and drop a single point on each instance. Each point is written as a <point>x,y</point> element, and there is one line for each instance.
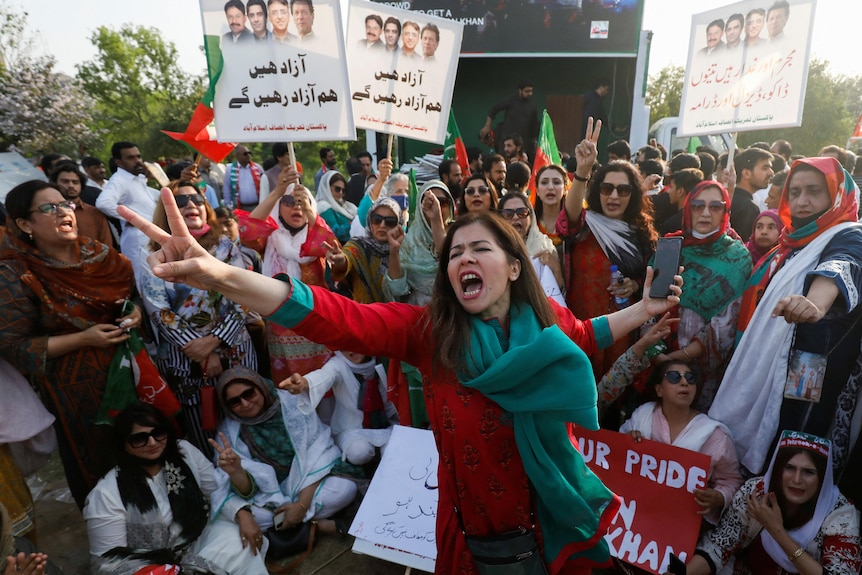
<point>715,207</point>
<point>388,221</point>
<point>444,201</point>
<point>54,209</point>
<point>184,199</point>
<point>138,440</point>
<point>510,214</point>
<point>246,395</point>
<point>338,189</point>
<point>479,191</point>
<point>623,190</point>
<point>674,377</point>
<point>288,200</point>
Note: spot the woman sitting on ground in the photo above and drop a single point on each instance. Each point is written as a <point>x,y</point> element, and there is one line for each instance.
<point>672,420</point>
<point>277,456</point>
<point>791,520</point>
<point>154,507</point>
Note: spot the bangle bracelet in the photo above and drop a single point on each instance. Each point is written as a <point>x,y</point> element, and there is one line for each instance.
<point>579,178</point>
<point>302,505</point>
<point>685,351</point>
<point>796,554</point>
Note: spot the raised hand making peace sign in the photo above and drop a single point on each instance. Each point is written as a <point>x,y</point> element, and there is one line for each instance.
<point>586,154</point>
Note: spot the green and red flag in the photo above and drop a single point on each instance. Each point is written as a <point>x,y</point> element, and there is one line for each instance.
<point>454,148</point>
<point>547,152</point>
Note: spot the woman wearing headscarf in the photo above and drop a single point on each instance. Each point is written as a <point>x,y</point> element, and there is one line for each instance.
<point>295,242</point>
<point>337,212</point>
<point>276,455</point>
<point>363,261</point>
<point>800,308</point>
<point>791,520</point>
<point>716,267</point>
<point>62,299</point>
<point>764,236</point>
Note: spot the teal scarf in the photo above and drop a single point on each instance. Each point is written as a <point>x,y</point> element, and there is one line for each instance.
<point>717,273</point>
<point>545,381</point>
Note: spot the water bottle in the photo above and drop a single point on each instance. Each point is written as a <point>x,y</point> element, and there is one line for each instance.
<point>618,278</point>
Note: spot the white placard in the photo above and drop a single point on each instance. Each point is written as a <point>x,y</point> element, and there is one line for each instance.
<point>295,90</point>
<point>399,512</point>
<point>405,91</point>
<point>754,84</point>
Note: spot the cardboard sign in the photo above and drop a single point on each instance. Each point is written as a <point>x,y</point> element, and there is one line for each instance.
<point>745,72</point>
<point>403,87</point>
<point>658,515</point>
<point>280,77</point>
<point>397,520</point>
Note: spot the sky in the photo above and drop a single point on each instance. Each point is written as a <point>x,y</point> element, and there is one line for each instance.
<point>65,34</point>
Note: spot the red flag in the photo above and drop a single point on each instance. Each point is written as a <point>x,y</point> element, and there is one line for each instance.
<point>546,152</point>
<point>199,136</point>
<point>454,148</point>
<point>857,133</point>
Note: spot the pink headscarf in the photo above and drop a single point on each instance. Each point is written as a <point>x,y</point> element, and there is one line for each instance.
<point>757,252</point>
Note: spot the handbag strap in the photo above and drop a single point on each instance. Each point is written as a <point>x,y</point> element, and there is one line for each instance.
<point>276,569</point>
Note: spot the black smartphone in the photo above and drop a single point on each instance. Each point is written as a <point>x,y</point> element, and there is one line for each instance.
<point>676,566</point>
<point>665,266</point>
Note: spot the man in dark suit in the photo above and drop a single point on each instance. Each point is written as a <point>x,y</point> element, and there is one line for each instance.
<point>234,11</point>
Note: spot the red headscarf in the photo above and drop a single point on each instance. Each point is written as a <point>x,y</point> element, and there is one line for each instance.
<point>686,232</point>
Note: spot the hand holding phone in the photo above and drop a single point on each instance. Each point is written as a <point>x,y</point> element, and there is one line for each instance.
<point>665,266</point>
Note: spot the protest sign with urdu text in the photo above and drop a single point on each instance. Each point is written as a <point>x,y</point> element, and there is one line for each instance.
<point>280,77</point>
<point>658,515</point>
<point>747,67</point>
<point>402,83</point>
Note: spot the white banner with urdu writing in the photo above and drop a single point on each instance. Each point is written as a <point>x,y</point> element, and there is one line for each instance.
<point>281,70</point>
<point>747,67</point>
<point>402,70</point>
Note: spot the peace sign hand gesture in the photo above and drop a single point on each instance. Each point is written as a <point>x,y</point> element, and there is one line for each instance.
<point>587,151</point>
<point>228,460</point>
<point>335,256</point>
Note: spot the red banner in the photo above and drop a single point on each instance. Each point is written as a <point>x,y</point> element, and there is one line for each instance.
<point>656,481</point>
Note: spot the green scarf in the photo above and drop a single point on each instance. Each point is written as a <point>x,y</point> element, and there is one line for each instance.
<point>717,272</point>
<point>545,381</point>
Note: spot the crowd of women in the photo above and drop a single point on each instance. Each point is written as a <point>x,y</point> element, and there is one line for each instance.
<point>490,321</point>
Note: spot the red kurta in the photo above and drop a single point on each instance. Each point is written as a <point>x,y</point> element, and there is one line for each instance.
<point>480,470</point>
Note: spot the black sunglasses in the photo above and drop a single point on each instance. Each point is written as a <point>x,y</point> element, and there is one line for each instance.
<point>715,206</point>
<point>623,190</point>
<point>288,200</point>
<point>236,400</point>
<point>510,214</point>
<point>444,200</point>
<point>138,440</point>
<point>479,191</point>
<point>674,377</point>
<point>388,221</point>
<point>184,199</point>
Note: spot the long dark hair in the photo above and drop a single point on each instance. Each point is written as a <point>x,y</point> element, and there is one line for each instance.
<point>449,322</point>
<point>540,205</point>
<point>145,416</point>
<point>806,510</point>
<point>638,213</point>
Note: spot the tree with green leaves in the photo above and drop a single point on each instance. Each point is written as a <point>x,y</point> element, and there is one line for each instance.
<point>664,93</point>
<point>139,89</point>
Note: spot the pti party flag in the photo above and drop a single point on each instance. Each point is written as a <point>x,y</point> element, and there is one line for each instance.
<point>454,148</point>
<point>201,136</point>
<point>857,133</point>
<point>546,152</point>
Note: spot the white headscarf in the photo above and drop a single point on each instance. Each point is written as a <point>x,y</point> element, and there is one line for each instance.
<point>537,242</point>
<point>825,500</point>
<point>326,201</point>
<point>283,247</point>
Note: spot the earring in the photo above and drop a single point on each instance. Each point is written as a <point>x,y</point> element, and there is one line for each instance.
<point>31,236</point>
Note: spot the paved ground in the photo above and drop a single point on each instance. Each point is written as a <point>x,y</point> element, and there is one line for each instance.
<point>61,534</point>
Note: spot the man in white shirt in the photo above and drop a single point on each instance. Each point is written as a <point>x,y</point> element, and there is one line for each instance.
<point>244,183</point>
<point>128,187</point>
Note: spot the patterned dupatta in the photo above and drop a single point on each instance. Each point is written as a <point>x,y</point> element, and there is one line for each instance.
<point>845,204</point>
<point>82,294</point>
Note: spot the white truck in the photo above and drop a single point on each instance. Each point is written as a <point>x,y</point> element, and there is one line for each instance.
<point>664,131</point>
